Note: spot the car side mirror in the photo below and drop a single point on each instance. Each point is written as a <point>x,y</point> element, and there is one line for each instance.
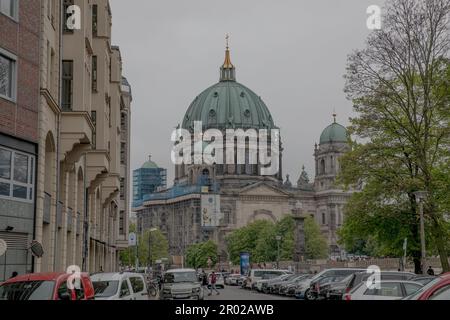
<point>65,296</point>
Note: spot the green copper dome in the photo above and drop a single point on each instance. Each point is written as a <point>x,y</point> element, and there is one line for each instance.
<point>149,164</point>
<point>228,105</point>
<point>334,133</point>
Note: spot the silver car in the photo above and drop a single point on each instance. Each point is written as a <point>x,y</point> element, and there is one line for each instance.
<point>181,284</point>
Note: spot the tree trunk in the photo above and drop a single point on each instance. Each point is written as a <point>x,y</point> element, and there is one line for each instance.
<point>440,245</point>
<point>417,266</point>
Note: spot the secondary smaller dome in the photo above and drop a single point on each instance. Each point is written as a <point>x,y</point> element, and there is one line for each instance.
<point>334,133</point>
<point>149,164</point>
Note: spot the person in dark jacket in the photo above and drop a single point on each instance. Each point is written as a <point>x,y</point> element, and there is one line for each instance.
<point>430,271</point>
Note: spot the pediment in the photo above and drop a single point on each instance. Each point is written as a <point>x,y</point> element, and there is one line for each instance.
<point>263,189</point>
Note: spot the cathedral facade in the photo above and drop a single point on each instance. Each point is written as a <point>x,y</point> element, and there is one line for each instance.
<point>240,192</point>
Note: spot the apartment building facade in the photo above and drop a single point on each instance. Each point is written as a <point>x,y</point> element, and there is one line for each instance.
<point>19,102</point>
<point>76,137</point>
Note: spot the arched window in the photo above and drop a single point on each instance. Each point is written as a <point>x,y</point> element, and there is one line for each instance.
<point>324,220</point>
<point>322,166</point>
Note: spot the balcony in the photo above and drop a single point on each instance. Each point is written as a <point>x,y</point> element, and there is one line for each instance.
<point>47,207</point>
<point>97,162</point>
<point>76,134</point>
<point>110,187</point>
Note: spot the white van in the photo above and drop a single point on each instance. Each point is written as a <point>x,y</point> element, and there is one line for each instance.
<point>259,274</point>
<point>119,286</point>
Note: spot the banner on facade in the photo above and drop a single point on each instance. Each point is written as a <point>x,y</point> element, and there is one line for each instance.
<point>210,206</point>
<point>244,263</point>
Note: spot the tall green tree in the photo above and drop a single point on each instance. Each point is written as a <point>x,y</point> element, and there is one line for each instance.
<point>159,248</point>
<point>260,240</point>
<point>399,85</point>
<point>197,254</point>
<point>158,244</point>
<point>316,245</point>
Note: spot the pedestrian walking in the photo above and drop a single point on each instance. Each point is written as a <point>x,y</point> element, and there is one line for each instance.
<point>213,280</point>
<point>204,280</point>
<point>430,271</point>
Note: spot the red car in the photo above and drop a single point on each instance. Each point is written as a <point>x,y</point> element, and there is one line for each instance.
<point>46,286</point>
<point>437,289</point>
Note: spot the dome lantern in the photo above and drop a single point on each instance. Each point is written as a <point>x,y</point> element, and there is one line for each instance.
<point>227,70</point>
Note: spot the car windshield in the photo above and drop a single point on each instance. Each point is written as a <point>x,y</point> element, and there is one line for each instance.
<point>105,288</point>
<point>27,290</point>
<point>419,292</point>
<point>177,277</point>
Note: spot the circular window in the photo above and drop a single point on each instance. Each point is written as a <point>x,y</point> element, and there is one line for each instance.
<point>247,113</point>
<point>212,113</point>
<point>242,94</point>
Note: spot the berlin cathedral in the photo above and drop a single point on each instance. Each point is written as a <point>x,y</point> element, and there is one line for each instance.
<point>240,192</point>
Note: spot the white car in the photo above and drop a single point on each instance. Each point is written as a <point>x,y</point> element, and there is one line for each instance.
<point>387,290</point>
<point>233,279</point>
<point>119,286</point>
<point>259,274</point>
<point>220,282</point>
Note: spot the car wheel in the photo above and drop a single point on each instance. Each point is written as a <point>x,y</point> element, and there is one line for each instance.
<point>309,295</point>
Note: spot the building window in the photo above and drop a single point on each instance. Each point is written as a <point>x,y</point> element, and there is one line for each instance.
<point>122,188</point>
<point>94,132</point>
<point>67,85</point>
<point>123,153</point>
<point>9,8</point>
<point>16,175</point>
<point>122,223</point>
<point>94,73</point>
<point>7,76</point>
<point>67,15</point>
<point>94,19</point>
<point>324,220</point>
<point>322,166</point>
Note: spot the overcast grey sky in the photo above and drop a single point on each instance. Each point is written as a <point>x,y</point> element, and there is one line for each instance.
<point>290,52</point>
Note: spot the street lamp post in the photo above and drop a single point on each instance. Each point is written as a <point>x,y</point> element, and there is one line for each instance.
<point>420,197</point>
<point>278,238</point>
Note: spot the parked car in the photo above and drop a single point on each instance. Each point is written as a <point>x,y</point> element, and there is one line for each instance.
<point>181,284</point>
<point>289,287</point>
<point>119,286</point>
<point>274,286</point>
<point>303,290</point>
<point>233,279</point>
<point>257,274</point>
<point>334,290</point>
<point>220,281</point>
<point>424,279</point>
<point>316,285</point>
<point>384,275</point>
<point>46,286</point>
<point>263,284</point>
<point>437,289</point>
<point>387,290</point>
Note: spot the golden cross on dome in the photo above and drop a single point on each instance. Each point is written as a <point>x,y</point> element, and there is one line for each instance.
<point>334,114</point>
<point>227,38</point>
